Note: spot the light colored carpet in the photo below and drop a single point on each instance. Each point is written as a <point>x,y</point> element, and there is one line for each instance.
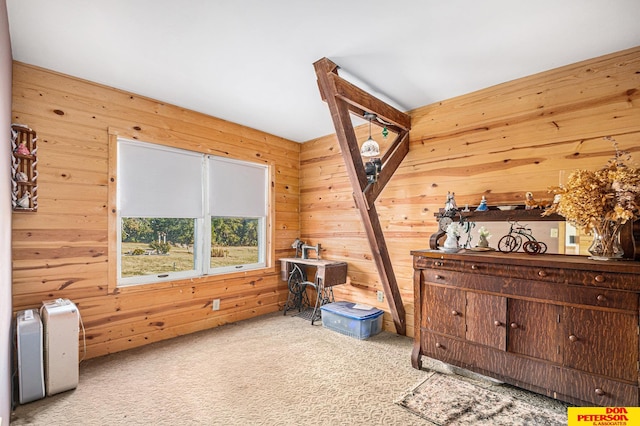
<point>445,399</point>
<point>270,370</point>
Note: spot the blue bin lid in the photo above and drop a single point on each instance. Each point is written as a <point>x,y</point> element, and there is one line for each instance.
<point>347,309</point>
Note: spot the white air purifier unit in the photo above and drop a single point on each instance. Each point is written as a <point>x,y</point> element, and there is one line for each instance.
<point>30,368</point>
<point>61,333</point>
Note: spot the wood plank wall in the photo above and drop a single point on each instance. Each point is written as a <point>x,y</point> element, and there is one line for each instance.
<point>499,142</point>
<point>61,251</point>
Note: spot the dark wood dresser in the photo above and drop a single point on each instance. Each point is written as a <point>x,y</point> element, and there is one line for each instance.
<point>563,326</point>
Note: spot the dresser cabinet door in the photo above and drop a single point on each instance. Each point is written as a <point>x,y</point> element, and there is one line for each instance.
<point>487,320</point>
<point>602,343</point>
<point>535,329</point>
<point>443,310</point>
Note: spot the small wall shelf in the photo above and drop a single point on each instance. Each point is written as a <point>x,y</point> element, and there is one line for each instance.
<point>24,175</point>
<point>519,213</point>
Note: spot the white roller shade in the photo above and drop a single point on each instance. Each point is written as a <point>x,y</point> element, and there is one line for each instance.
<point>237,188</point>
<point>154,181</point>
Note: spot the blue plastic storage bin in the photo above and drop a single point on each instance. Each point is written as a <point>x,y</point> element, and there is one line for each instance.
<point>349,319</point>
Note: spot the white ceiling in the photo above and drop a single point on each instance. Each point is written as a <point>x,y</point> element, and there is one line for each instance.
<point>251,61</point>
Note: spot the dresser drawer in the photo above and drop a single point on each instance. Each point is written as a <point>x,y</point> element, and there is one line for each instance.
<point>603,279</point>
<point>596,390</point>
<point>579,277</point>
<point>526,372</point>
<point>602,298</point>
<point>492,269</point>
<point>445,349</point>
<point>555,292</point>
<point>437,263</point>
<point>545,378</point>
<point>443,277</point>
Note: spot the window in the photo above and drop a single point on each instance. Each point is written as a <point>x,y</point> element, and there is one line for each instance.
<point>183,214</point>
<point>238,208</point>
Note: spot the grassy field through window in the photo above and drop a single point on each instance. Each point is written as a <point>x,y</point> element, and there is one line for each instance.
<point>179,259</point>
<point>234,256</point>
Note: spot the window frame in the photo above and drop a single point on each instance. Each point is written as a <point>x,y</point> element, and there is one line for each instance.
<point>202,227</point>
<point>262,255</point>
<point>162,276</point>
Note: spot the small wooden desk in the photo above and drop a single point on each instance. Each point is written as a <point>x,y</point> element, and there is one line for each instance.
<point>328,273</point>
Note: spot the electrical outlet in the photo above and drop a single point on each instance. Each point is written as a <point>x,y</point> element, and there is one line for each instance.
<point>215,305</point>
<point>380,296</point>
<point>554,232</point>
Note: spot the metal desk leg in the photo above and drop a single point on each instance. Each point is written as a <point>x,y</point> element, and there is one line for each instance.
<point>297,290</point>
<point>324,296</point>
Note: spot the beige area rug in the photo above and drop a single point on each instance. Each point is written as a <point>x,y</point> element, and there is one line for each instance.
<point>452,400</point>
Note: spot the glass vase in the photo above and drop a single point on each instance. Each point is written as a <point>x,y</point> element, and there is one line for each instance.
<point>606,241</point>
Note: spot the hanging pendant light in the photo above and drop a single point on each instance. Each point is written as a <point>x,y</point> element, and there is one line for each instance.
<point>370,147</point>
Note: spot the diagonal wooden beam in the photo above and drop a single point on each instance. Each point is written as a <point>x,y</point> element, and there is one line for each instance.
<point>357,97</point>
<point>360,101</point>
<point>343,99</point>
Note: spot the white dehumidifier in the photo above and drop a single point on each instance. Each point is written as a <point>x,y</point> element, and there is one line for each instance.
<point>61,332</point>
<point>30,369</point>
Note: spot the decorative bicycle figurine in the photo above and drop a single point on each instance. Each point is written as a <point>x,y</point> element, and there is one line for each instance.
<point>513,240</point>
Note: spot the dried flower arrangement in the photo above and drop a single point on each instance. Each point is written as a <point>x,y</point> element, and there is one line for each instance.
<point>611,193</point>
<point>601,200</point>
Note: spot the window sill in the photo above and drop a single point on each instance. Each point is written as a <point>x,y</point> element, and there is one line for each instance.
<point>199,280</point>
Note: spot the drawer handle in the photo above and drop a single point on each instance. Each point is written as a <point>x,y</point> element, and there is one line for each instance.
<point>542,273</point>
<point>439,277</point>
<point>437,263</point>
<point>514,325</point>
<point>599,278</point>
<point>497,323</point>
<point>438,345</point>
<point>474,267</point>
<point>599,391</point>
<point>454,313</point>
<point>573,338</point>
<point>601,298</point>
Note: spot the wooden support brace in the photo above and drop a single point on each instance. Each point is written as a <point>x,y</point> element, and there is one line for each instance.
<point>343,98</point>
